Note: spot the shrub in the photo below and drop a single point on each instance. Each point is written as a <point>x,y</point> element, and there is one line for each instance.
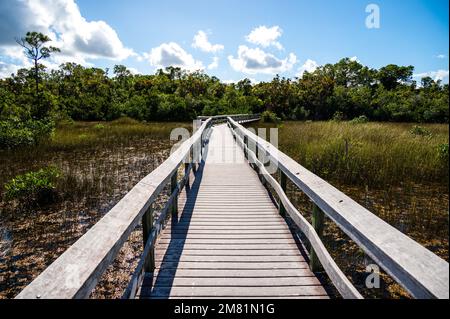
<point>269,117</point>
<point>360,120</point>
<point>420,131</point>
<point>338,116</point>
<point>99,126</point>
<point>14,133</point>
<point>38,186</point>
<point>443,152</point>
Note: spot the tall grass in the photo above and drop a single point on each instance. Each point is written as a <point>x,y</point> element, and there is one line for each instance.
<point>372,154</point>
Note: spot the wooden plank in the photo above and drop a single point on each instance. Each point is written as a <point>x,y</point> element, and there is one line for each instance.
<point>238,291</point>
<point>230,247</point>
<point>228,231</point>
<point>230,252</point>
<point>232,273</point>
<point>234,282</point>
<point>224,241</point>
<point>227,258</point>
<point>189,236</point>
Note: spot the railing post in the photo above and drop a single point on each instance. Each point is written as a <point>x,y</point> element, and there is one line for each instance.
<point>281,208</point>
<point>193,159</point>
<point>173,186</point>
<point>317,222</point>
<point>246,147</point>
<point>186,170</point>
<point>147,228</point>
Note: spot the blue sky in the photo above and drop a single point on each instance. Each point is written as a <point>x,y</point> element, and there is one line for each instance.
<point>253,39</point>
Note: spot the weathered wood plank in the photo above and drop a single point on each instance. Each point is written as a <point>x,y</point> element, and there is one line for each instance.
<point>229,252</point>
<point>218,258</point>
<point>235,282</point>
<point>233,273</point>
<point>237,291</point>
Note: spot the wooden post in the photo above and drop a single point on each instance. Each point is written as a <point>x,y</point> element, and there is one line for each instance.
<point>246,147</point>
<point>283,179</point>
<point>194,160</point>
<point>147,228</point>
<point>173,186</point>
<point>187,173</point>
<point>317,222</point>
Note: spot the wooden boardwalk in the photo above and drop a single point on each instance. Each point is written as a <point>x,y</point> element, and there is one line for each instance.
<point>225,237</point>
<point>229,240</point>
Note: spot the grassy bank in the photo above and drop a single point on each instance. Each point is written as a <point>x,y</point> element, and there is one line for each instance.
<point>369,154</point>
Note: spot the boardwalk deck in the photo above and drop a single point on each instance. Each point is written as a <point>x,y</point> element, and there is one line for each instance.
<point>229,240</point>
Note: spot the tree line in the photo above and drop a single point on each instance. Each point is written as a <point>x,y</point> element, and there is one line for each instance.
<point>31,100</point>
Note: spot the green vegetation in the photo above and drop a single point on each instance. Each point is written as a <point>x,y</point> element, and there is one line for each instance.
<point>372,154</point>
<point>269,117</point>
<point>344,91</point>
<point>33,187</point>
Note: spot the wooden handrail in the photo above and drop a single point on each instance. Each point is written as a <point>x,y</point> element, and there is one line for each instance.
<point>422,273</point>
<point>240,118</point>
<point>76,272</point>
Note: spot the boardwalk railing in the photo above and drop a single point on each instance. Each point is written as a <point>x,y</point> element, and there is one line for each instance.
<point>239,118</point>
<point>422,273</point>
<point>76,272</point>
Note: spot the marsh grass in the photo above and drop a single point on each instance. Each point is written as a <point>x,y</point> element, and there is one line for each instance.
<point>99,163</point>
<point>399,175</point>
<point>372,154</point>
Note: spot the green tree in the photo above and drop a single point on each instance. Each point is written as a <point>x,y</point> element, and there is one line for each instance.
<point>393,75</point>
<point>35,50</point>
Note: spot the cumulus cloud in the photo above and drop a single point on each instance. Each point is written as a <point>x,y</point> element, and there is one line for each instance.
<point>442,75</point>
<point>253,61</point>
<point>201,42</point>
<point>308,66</point>
<point>62,21</point>
<point>214,64</point>
<point>441,56</point>
<point>7,69</point>
<point>172,54</point>
<point>265,36</point>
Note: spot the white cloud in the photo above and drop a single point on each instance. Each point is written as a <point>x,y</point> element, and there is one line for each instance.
<point>265,36</point>
<point>134,71</point>
<point>355,59</point>
<point>442,75</point>
<point>441,56</point>
<point>201,42</point>
<point>253,61</point>
<point>7,69</point>
<point>254,81</point>
<point>309,66</point>
<point>172,54</point>
<point>62,21</point>
<point>214,64</point>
